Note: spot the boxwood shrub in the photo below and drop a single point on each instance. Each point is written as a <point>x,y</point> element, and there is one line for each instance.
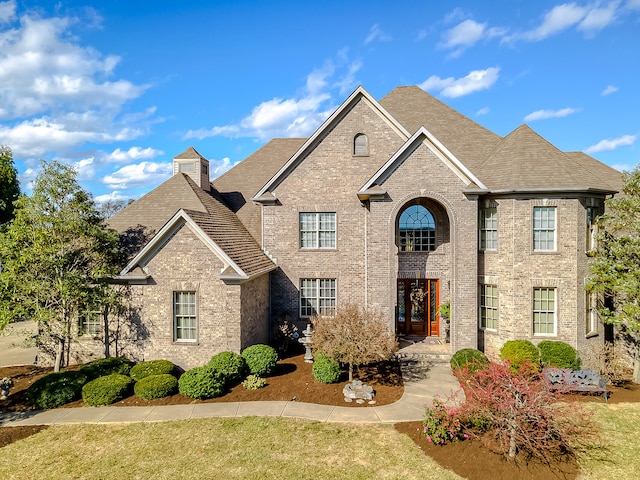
<point>56,389</point>
<point>325,370</point>
<point>474,360</point>
<point>554,353</point>
<point>232,365</point>
<point>150,367</point>
<point>107,389</point>
<point>261,359</point>
<point>156,386</point>
<point>519,352</point>
<point>201,383</point>
<point>106,366</point>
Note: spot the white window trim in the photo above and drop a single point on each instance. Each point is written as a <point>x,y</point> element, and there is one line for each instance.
<point>175,317</point>
<point>555,229</point>
<point>317,231</point>
<point>483,228</point>
<point>592,315</point>
<point>482,307</point>
<point>317,297</point>
<point>555,312</point>
<point>87,332</point>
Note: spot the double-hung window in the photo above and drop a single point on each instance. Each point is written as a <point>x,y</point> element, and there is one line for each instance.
<point>489,307</point>
<point>592,229</point>
<point>185,320</point>
<point>544,311</point>
<point>91,323</point>
<point>317,296</point>
<point>318,230</point>
<point>544,229</point>
<point>489,228</point>
<point>593,315</point>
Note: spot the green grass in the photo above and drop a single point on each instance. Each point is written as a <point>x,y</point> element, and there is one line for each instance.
<point>265,448</point>
<point>273,448</point>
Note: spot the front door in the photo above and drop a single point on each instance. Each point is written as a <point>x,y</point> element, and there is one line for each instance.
<point>417,308</point>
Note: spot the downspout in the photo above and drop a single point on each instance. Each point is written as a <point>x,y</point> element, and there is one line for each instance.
<point>366,261</point>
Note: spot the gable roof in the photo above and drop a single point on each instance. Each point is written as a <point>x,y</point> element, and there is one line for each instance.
<point>189,153</point>
<point>239,184</point>
<point>524,161</point>
<point>422,136</point>
<point>200,209</point>
<point>358,94</point>
<point>469,141</point>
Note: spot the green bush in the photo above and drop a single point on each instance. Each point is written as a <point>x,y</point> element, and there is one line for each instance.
<point>253,382</point>
<point>558,354</point>
<point>106,366</point>
<point>202,383</point>
<point>261,359</point>
<point>520,352</point>
<point>232,365</point>
<point>325,370</point>
<point>150,367</point>
<point>56,389</point>
<point>474,360</point>
<point>156,386</point>
<point>107,389</point>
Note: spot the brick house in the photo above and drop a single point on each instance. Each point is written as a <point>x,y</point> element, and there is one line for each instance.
<point>399,205</point>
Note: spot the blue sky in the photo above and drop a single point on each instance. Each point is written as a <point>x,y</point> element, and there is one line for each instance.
<point>118,88</point>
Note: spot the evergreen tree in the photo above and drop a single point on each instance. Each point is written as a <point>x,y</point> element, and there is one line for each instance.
<point>9,185</point>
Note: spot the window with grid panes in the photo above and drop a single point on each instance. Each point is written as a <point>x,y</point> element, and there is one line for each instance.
<point>318,230</point>
<point>489,307</point>
<point>489,228</point>
<point>91,323</point>
<point>544,311</point>
<point>417,228</point>
<point>317,296</point>
<point>185,321</point>
<point>544,229</point>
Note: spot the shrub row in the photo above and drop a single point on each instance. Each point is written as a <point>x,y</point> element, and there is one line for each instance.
<point>519,353</point>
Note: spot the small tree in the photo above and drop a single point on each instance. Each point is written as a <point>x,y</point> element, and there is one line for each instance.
<point>56,256</point>
<point>614,270</point>
<point>9,185</point>
<point>354,336</point>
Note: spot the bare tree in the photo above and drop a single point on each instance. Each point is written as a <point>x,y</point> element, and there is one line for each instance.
<point>354,336</point>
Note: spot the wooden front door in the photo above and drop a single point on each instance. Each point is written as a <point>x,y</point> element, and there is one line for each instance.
<point>417,308</point>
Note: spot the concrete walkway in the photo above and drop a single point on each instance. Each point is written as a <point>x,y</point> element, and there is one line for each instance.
<point>436,380</point>
<point>12,340</point>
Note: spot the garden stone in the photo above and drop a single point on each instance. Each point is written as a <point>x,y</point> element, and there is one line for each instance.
<point>5,385</point>
<point>357,390</point>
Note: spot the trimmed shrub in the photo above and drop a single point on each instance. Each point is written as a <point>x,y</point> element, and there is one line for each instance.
<point>261,359</point>
<point>150,367</point>
<point>470,358</point>
<point>156,386</point>
<point>520,352</point>
<point>232,365</point>
<point>107,389</point>
<point>557,354</point>
<point>253,382</point>
<point>106,366</point>
<point>201,383</point>
<point>325,370</point>
<point>56,389</point>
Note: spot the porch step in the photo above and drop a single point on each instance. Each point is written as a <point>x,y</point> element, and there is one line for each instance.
<point>423,357</point>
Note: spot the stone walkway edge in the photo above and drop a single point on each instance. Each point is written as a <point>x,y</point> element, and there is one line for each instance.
<point>417,394</point>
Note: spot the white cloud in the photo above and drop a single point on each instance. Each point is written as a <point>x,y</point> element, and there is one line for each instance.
<point>56,95</point>
<point>7,11</point>
<point>612,144</point>
<point>545,114</point>
<point>467,34</point>
<point>115,196</point>
<point>376,34</point>
<point>609,90</point>
<point>297,116</point>
<point>483,111</point>
<point>134,153</point>
<point>144,174</point>
<point>590,19</point>
<point>450,87</point>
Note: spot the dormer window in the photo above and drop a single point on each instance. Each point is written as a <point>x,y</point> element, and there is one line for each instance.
<point>360,144</point>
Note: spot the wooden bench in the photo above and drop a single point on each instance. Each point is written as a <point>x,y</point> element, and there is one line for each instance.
<point>567,380</point>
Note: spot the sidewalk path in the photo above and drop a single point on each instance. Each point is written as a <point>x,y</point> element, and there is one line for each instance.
<point>438,380</point>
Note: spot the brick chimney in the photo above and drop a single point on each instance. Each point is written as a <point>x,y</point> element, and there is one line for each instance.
<point>194,165</point>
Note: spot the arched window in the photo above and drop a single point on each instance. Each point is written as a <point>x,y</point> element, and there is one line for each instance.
<point>360,144</point>
<point>417,229</point>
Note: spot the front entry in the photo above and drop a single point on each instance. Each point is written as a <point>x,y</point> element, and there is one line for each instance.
<point>417,309</point>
